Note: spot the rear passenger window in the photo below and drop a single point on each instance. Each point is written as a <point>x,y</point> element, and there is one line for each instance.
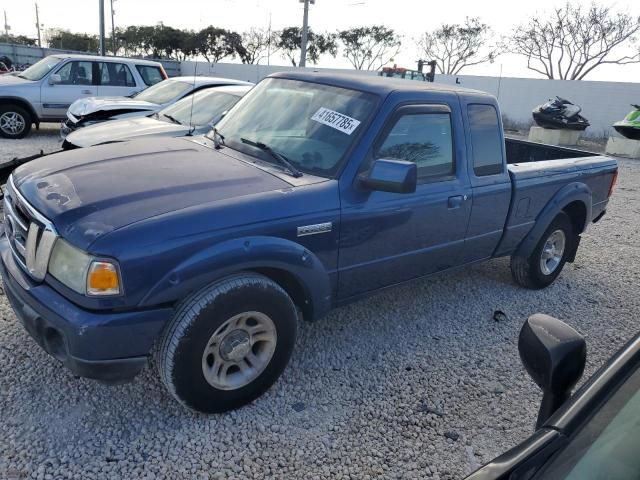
<point>150,75</point>
<point>116,75</point>
<point>424,139</point>
<point>486,140</point>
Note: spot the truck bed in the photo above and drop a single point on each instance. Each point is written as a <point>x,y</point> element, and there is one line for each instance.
<point>540,171</point>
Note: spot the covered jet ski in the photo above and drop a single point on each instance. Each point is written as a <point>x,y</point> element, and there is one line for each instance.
<point>630,126</point>
<point>560,114</point>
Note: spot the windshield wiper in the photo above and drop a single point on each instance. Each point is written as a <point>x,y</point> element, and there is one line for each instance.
<point>171,118</point>
<point>281,159</point>
<point>218,139</point>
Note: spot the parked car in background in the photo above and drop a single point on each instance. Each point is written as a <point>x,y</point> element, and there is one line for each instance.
<point>314,190</point>
<point>89,111</point>
<point>593,434</point>
<point>193,115</point>
<point>44,91</point>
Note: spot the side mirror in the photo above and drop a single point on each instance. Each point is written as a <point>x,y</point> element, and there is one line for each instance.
<point>554,355</point>
<point>55,79</point>
<point>394,176</point>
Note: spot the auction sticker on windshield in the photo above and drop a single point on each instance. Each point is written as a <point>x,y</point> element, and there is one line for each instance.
<point>336,120</point>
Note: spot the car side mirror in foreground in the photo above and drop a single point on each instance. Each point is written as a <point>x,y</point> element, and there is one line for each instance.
<point>554,355</point>
<point>396,176</point>
<point>55,79</point>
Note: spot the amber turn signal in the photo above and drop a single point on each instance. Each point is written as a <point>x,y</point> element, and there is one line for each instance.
<point>103,279</point>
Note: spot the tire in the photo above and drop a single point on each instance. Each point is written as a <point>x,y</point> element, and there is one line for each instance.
<point>15,122</point>
<point>197,341</point>
<point>530,272</point>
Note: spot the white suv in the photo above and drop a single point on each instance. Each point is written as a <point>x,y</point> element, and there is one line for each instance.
<point>44,91</point>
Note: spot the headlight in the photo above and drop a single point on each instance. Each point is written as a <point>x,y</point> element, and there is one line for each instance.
<point>82,272</point>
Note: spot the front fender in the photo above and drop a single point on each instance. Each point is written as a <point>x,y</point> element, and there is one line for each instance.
<point>249,253</point>
<point>570,193</point>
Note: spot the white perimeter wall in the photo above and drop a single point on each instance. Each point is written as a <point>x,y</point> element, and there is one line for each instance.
<point>603,103</point>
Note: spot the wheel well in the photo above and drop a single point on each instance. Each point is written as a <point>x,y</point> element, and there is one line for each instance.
<point>21,103</point>
<point>292,286</point>
<point>577,212</point>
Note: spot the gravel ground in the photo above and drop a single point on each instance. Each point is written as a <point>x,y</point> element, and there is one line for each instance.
<point>46,139</point>
<point>417,382</point>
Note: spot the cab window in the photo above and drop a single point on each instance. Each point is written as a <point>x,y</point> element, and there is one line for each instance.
<point>424,139</point>
<point>486,140</point>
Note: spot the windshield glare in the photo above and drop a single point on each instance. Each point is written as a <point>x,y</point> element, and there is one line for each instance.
<point>39,69</point>
<point>312,125</point>
<point>164,91</point>
<point>201,108</point>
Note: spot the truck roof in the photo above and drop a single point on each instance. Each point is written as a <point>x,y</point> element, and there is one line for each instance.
<point>373,83</point>
<point>138,61</point>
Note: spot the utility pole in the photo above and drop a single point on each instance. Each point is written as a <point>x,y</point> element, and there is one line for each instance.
<point>38,26</point>
<point>6,27</point>
<point>113,29</point>
<point>101,9</point>
<point>305,33</point>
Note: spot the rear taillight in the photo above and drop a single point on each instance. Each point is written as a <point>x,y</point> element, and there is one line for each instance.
<point>613,183</point>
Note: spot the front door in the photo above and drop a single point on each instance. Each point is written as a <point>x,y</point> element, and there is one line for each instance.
<point>77,81</point>
<point>387,238</point>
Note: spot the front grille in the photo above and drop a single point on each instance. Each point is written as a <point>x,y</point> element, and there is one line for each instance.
<point>31,236</point>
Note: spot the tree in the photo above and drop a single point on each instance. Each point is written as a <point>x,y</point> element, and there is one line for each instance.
<point>20,40</point>
<point>290,42</point>
<point>214,44</point>
<point>66,40</point>
<point>257,44</point>
<point>456,46</point>
<point>369,48</point>
<point>573,41</point>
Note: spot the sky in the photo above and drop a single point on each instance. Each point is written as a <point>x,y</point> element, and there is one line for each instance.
<point>408,17</point>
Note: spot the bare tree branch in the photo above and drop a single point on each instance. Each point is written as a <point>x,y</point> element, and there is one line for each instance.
<point>457,46</point>
<point>575,40</point>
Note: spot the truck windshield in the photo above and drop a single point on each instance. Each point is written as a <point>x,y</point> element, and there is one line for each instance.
<point>312,125</point>
<point>164,91</point>
<point>39,69</point>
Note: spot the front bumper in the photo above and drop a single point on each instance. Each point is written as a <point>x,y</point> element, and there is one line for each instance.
<point>112,347</point>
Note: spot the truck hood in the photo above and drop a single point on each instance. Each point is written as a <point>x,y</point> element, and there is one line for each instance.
<point>127,129</point>
<point>91,105</point>
<point>88,193</point>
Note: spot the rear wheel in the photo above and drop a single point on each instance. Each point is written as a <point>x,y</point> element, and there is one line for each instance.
<point>228,343</point>
<point>547,260</point>
<point>15,122</point>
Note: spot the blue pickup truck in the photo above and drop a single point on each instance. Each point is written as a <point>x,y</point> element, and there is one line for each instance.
<point>314,190</point>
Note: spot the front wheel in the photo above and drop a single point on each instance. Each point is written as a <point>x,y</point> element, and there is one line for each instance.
<point>228,343</point>
<point>15,122</point>
<point>547,260</point>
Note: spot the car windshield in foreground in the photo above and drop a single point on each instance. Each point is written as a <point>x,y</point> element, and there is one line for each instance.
<point>309,124</point>
<point>202,108</point>
<point>164,91</point>
<point>39,69</point>
<point>607,446</point>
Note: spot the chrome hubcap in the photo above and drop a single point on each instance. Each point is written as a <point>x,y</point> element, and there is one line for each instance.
<point>12,123</point>
<point>552,252</point>
<point>239,350</point>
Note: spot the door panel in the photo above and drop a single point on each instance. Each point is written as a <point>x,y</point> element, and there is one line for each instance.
<point>77,82</point>
<point>387,238</point>
<point>489,179</point>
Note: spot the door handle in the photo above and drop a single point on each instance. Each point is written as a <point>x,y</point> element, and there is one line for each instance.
<point>87,92</point>
<point>456,201</point>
